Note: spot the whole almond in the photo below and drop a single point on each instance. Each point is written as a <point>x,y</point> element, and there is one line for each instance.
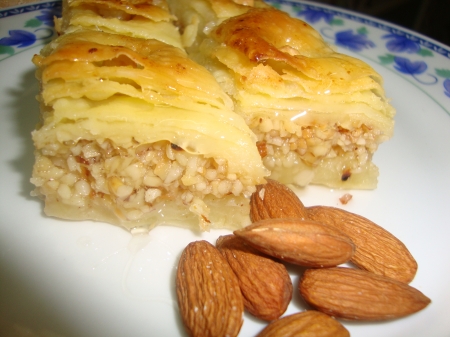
<point>377,250</point>
<point>265,283</point>
<point>310,323</point>
<point>274,200</point>
<point>208,293</point>
<point>303,242</point>
<point>356,294</point>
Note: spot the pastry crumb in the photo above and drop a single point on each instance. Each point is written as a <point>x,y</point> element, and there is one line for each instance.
<point>345,198</point>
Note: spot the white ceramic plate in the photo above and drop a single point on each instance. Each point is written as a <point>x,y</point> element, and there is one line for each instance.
<point>60,278</point>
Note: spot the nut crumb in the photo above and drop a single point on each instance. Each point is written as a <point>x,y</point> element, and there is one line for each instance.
<point>345,198</point>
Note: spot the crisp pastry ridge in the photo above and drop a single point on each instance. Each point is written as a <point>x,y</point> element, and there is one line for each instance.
<point>146,19</point>
<point>136,134</point>
<point>319,115</point>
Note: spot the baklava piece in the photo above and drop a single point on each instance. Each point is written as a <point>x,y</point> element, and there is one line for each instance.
<point>136,134</point>
<point>319,115</point>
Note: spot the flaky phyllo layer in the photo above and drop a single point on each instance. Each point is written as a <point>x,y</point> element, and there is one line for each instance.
<point>319,115</point>
<point>145,19</point>
<point>134,133</point>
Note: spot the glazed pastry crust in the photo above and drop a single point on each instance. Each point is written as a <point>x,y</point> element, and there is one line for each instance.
<point>139,18</point>
<point>272,53</point>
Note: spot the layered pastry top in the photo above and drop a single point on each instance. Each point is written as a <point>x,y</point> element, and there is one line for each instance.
<point>145,19</point>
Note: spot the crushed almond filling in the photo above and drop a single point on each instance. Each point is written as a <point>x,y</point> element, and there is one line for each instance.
<point>285,144</point>
<point>133,179</point>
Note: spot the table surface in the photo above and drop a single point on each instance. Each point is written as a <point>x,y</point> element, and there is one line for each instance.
<point>10,3</point>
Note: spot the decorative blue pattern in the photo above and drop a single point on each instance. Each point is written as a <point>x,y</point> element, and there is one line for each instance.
<point>405,66</point>
<point>308,8</point>
<point>37,29</point>
<point>47,16</point>
<point>313,16</point>
<point>56,5</point>
<point>447,87</point>
<point>413,68</point>
<point>19,38</point>
<point>352,41</point>
<point>399,43</point>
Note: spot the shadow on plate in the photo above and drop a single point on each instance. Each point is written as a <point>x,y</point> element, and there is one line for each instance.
<point>25,312</point>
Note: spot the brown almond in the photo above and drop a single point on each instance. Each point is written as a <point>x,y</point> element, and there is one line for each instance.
<point>356,294</point>
<point>377,250</point>
<point>310,323</point>
<point>208,293</point>
<point>265,283</point>
<point>303,242</point>
<point>274,200</point>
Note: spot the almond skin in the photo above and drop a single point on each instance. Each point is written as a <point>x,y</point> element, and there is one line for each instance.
<point>208,293</point>
<point>356,294</point>
<point>265,283</point>
<point>274,200</point>
<point>377,250</point>
<point>310,323</point>
<point>302,242</point>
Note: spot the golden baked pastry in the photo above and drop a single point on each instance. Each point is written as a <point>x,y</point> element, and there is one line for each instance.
<point>147,19</point>
<point>136,134</point>
<point>319,115</point>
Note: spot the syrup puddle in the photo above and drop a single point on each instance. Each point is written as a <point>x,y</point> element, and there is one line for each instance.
<point>140,240</point>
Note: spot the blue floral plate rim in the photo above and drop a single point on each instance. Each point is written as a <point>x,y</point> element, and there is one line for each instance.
<point>429,42</point>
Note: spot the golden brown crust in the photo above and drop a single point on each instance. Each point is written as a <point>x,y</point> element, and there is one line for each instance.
<point>260,33</point>
<point>153,10</point>
<point>266,36</point>
<point>146,19</point>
